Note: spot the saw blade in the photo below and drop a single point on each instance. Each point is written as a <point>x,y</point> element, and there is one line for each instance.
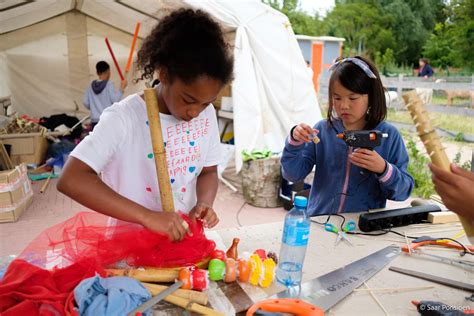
<point>327,290</point>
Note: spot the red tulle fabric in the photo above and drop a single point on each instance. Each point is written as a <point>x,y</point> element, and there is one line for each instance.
<point>27,289</point>
<point>90,235</point>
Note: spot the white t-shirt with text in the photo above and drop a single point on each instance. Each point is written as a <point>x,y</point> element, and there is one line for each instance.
<point>120,149</point>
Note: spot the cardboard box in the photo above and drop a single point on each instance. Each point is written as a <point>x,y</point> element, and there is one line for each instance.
<point>225,92</point>
<point>26,148</point>
<point>16,193</point>
<point>14,215</point>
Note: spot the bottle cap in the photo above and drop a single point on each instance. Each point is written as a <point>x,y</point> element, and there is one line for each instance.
<point>301,201</point>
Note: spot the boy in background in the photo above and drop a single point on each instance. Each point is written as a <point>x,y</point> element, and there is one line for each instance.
<point>101,93</point>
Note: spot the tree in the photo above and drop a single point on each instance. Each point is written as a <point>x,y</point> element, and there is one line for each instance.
<point>385,60</point>
<point>462,19</point>
<point>409,22</point>
<point>366,31</point>
<point>439,48</point>
<point>412,22</point>
<point>452,42</point>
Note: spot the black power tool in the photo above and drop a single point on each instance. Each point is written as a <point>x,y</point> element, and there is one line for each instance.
<point>363,139</point>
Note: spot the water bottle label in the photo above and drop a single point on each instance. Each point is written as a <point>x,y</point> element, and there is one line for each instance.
<point>296,233</point>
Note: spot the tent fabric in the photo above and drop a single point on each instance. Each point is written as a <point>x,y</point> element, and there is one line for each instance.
<point>43,67</point>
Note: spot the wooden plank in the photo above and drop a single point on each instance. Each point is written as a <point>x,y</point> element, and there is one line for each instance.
<point>434,278</point>
<point>5,161</point>
<point>443,217</point>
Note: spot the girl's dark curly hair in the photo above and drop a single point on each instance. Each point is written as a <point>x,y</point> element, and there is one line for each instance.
<point>188,44</point>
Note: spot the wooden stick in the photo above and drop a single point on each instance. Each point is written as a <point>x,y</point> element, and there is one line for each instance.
<point>459,235</point>
<point>193,307</point>
<point>376,299</point>
<point>76,125</point>
<point>396,289</point>
<point>148,275</point>
<point>45,184</point>
<point>436,230</point>
<point>195,296</point>
<point>431,141</point>
<point>166,194</point>
<point>134,41</point>
<point>114,59</point>
<point>407,242</point>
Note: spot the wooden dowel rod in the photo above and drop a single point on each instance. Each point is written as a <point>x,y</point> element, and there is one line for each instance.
<point>195,296</point>
<point>193,307</point>
<point>432,144</point>
<point>146,275</point>
<point>159,153</point>
<point>395,289</point>
<point>46,183</point>
<point>376,299</point>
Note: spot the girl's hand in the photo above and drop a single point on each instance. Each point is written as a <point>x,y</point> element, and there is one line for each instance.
<point>169,223</point>
<point>304,133</point>
<point>204,212</point>
<point>368,159</point>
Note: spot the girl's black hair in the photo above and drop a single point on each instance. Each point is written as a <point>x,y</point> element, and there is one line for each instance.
<point>187,44</point>
<point>353,78</point>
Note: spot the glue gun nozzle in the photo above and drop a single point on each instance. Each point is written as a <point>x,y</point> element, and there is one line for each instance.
<point>340,136</point>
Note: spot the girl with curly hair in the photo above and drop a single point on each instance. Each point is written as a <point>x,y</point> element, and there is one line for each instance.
<point>112,171</point>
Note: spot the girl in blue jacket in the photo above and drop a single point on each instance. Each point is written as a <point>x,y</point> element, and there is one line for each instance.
<point>349,179</point>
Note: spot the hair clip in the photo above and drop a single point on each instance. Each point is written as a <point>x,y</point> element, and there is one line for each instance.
<point>358,62</point>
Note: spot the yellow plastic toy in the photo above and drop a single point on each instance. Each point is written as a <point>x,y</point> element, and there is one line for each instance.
<point>256,270</point>
<point>268,272</point>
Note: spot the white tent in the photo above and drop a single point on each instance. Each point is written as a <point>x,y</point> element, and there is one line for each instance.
<point>48,50</point>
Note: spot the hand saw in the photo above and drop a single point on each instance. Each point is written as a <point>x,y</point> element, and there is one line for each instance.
<point>327,290</point>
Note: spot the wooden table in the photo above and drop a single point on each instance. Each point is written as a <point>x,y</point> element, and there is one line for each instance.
<point>322,257</point>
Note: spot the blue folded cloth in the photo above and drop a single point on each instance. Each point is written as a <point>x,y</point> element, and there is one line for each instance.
<point>98,296</point>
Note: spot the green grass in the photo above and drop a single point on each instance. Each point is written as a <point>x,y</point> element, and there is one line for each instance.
<point>453,123</point>
<point>442,100</point>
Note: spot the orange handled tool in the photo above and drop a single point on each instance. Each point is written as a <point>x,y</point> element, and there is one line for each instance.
<point>426,240</point>
<point>436,242</point>
<point>286,305</point>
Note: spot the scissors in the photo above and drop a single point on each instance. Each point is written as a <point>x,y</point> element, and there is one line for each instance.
<point>341,235</point>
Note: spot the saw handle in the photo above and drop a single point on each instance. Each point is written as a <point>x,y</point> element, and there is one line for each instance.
<point>286,305</point>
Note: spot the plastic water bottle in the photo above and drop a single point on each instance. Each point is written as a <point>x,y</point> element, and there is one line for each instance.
<point>293,244</point>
